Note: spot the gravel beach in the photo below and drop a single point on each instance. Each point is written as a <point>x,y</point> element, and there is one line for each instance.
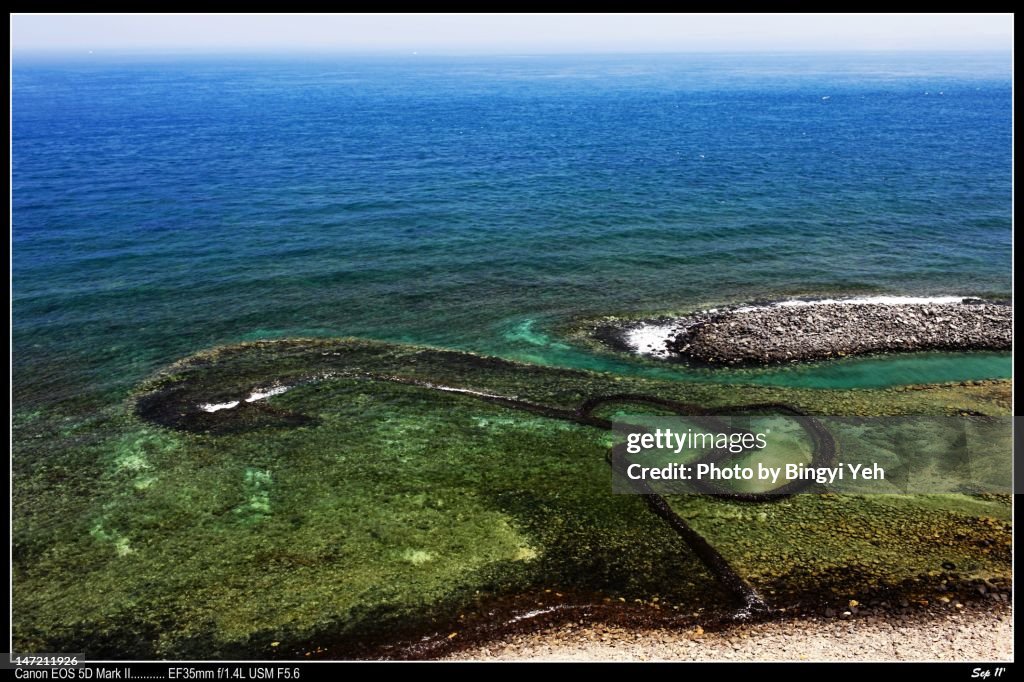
<point>806,331</point>
<point>968,632</point>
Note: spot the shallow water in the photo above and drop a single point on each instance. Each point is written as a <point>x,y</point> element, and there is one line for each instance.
<point>332,512</point>
<point>862,372</point>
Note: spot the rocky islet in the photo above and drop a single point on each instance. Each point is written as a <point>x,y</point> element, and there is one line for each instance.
<point>783,333</point>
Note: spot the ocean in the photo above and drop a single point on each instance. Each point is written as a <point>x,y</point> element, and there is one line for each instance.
<point>163,205</point>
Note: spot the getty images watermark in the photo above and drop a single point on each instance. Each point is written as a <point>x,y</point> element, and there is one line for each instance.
<point>759,455</point>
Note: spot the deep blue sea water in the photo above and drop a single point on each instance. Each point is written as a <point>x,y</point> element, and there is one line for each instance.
<point>166,204</point>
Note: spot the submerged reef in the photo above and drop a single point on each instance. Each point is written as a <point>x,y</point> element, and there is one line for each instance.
<point>340,496</point>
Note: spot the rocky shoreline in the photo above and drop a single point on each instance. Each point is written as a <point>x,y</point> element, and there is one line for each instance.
<point>801,331</point>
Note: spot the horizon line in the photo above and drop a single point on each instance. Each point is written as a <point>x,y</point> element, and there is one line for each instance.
<point>249,51</point>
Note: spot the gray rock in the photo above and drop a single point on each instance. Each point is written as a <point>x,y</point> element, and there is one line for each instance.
<point>788,334</point>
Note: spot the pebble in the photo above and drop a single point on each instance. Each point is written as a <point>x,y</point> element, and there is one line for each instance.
<point>976,631</point>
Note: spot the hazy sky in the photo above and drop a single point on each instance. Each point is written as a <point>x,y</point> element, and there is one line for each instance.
<point>476,33</point>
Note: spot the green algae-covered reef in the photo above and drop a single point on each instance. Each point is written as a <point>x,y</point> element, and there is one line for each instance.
<point>302,497</point>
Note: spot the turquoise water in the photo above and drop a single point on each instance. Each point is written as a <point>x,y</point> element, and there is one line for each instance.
<point>164,205</point>
<point>867,372</point>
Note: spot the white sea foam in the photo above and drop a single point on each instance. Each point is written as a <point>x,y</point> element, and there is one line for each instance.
<point>859,300</point>
<point>648,338</point>
<point>216,407</point>
<point>468,391</point>
<point>261,393</point>
<point>256,394</point>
